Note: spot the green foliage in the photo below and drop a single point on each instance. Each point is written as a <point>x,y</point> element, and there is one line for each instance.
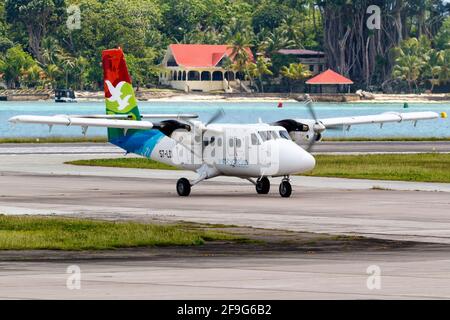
<point>144,29</point>
<point>417,63</point>
<point>296,72</point>
<point>14,64</point>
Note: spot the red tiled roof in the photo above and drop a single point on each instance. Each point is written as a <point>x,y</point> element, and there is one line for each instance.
<point>300,52</point>
<point>201,55</point>
<point>329,77</point>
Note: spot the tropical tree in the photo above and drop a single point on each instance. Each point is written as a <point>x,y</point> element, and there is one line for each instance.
<point>444,67</point>
<point>260,69</point>
<point>296,72</point>
<point>240,54</point>
<point>53,74</point>
<point>33,76</point>
<point>66,63</point>
<point>409,69</point>
<point>13,64</point>
<point>35,17</point>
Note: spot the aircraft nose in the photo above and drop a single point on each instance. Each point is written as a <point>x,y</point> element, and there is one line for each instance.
<point>294,159</point>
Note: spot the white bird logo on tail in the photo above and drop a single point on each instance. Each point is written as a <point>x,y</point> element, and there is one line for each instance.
<point>116,93</point>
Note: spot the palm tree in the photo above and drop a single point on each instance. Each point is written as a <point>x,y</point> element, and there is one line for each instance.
<point>275,41</point>
<point>262,68</point>
<point>33,76</point>
<point>240,53</point>
<point>444,67</point>
<point>50,50</point>
<point>408,68</point>
<point>294,73</point>
<point>53,73</point>
<point>432,67</point>
<point>66,63</point>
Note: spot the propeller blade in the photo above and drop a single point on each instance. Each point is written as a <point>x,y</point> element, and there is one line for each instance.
<point>310,107</point>
<point>216,116</point>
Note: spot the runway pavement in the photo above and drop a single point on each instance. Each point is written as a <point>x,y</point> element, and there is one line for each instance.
<point>416,274</point>
<point>322,147</point>
<point>42,184</point>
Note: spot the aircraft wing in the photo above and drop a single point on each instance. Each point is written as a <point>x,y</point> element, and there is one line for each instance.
<point>82,122</point>
<point>378,118</point>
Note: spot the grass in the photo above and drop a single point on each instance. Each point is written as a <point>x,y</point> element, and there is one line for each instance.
<point>430,167</point>
<point>54,140</point>
<point>55,233</point>
<point>135,163</point>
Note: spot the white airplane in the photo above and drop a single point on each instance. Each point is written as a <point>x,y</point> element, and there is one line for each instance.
<point>254,152</point>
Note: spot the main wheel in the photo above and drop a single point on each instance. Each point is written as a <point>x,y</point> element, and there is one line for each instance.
<point>263,185</point>
<point>183,187</point>
<point>285,189</point>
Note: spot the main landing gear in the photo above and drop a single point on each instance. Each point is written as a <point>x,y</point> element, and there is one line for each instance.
<point>183,187</point>
<point>263,186</point>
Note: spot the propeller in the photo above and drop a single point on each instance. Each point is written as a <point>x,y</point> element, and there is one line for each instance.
<point>318,127</point>
<point>215,117</point>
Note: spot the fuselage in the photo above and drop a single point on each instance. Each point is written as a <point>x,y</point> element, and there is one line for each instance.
<point>242,150</point>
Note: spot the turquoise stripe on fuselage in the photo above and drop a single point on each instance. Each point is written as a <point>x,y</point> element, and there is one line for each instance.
<point>141,142</point>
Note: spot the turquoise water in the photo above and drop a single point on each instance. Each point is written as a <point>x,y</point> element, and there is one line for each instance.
<point>235,112</point>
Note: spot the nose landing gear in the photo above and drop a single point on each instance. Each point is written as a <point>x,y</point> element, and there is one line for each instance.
<point>285,188</point>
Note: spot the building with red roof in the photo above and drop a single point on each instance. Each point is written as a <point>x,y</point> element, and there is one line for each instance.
<point>328,82</point>
<point>199,67</point>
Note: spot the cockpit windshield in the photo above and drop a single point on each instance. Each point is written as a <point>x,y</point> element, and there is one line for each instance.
<point>269,135</point>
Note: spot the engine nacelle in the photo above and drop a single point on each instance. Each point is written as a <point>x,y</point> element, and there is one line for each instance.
<point>302,132</point>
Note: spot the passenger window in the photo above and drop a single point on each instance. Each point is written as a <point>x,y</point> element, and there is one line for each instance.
<point>238,143</point>
<point>255,140</point>
<point>231,142</point>
<point>219,142</point>
<point>211,142</point>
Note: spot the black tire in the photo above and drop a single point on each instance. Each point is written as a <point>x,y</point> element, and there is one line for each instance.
<point>285,189</point>
<point>183,187</point>
<point>263,185</point>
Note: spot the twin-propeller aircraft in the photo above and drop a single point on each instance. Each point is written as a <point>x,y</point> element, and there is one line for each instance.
<point>254,152</point>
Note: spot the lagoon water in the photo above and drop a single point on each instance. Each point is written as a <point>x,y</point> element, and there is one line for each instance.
<point>235,112</point>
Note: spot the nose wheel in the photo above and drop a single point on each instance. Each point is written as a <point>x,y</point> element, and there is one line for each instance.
<point>263,185</point>
<point>183,187</point>
<point>285,188</point>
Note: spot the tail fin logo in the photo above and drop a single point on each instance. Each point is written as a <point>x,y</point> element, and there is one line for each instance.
<point>122,97</point>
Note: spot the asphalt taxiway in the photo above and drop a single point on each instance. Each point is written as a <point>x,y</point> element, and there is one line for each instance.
<point>42,184</point>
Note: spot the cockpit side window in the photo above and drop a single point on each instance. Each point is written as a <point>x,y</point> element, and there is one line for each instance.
<point>285,135</point>
<point>265,136</point>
